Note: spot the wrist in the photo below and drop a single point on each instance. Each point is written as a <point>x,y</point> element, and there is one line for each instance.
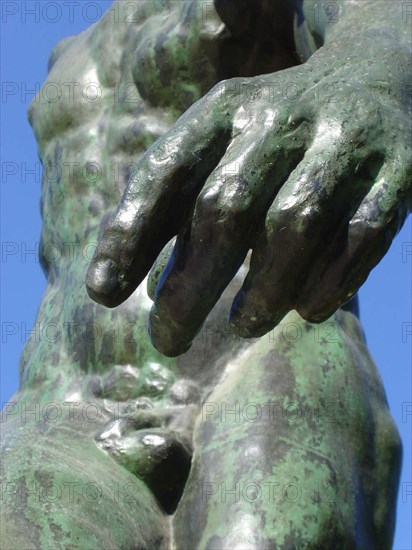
<point>375,52</point>
<point>373,59</point>
<point>343,18</point>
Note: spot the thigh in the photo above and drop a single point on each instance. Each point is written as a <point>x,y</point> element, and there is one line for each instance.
<point>60,491</point>
<point>295,448</point>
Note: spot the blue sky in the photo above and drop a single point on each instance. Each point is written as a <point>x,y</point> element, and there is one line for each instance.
<point>26,40</point>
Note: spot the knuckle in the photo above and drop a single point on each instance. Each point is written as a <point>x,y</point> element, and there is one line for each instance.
<point>297,215</point>
<point>218,207</point>
<point>366,229</point>
<point>225,91</point>
<point>212,205</point>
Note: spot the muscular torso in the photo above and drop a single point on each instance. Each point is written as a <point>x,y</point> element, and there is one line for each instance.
<point>120,85</point>
<point>110,93</point>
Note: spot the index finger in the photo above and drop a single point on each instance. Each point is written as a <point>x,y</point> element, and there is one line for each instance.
<point>156,202</point>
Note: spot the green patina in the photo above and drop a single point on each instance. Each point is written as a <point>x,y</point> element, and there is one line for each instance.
<point>314,180</point>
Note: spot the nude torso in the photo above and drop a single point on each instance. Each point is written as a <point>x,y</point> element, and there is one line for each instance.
<point>146,72</point>
<point>123,83</point>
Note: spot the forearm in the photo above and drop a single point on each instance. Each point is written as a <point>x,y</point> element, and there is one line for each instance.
<point>341,19</point>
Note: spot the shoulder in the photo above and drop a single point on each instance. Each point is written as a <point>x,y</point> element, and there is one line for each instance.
<point>59,49</point>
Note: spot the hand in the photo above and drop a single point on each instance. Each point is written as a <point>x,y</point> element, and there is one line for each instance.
<point>307,167</point>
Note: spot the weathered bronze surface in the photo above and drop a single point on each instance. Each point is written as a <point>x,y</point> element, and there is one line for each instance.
<point>270,431</point>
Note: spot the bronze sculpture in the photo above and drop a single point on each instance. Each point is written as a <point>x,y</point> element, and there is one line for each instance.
<point>281,114</point>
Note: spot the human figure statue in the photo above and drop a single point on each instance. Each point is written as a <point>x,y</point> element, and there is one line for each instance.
<point>254,157</point>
